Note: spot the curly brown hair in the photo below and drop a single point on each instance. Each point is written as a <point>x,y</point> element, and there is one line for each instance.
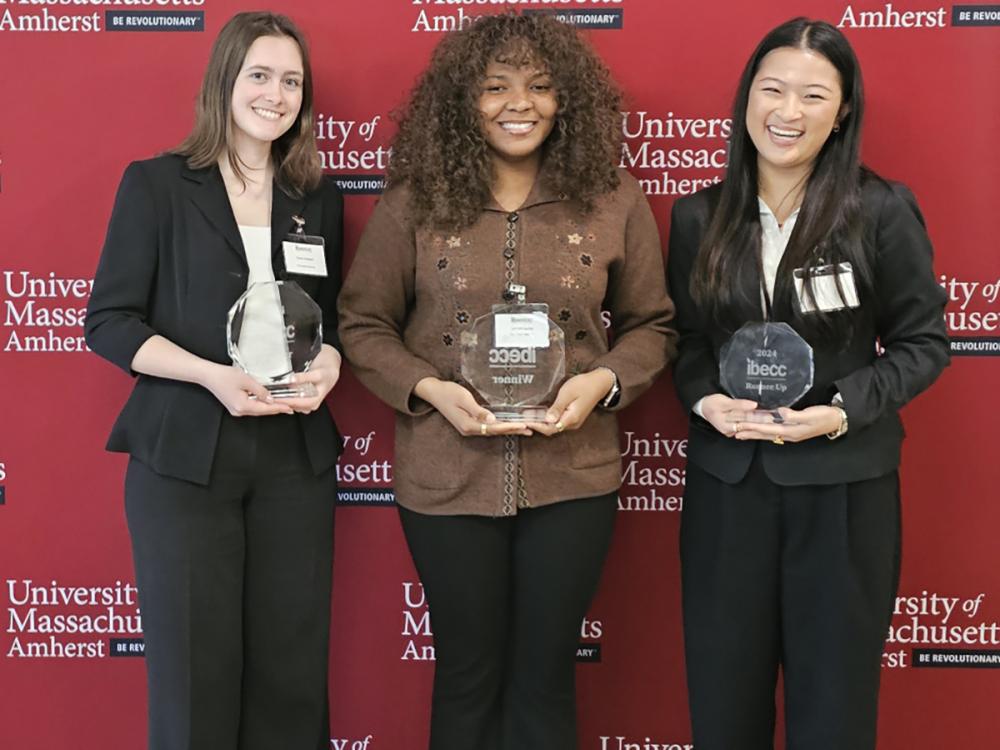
<point>440,150</point>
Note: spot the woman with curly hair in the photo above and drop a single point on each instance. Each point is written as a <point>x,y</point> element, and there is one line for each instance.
<point>504,173</point>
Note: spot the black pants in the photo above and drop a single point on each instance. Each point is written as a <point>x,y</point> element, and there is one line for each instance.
<point>234,585</point>
<point>801,577</point>
<point>507,597</point>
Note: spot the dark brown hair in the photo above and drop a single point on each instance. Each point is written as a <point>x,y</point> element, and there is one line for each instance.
<point>297,167</point>
<point>440,150</point>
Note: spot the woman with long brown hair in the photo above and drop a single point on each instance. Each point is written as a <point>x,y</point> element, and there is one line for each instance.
<point>229,493</point>
<point>504,175</point>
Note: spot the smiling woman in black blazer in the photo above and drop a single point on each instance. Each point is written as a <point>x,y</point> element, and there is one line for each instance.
<point>790,535</point>
<point>229,494</point>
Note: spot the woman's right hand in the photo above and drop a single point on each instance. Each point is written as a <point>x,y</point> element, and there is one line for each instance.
<point>725,414</point>
<point>461,409</point>
<point>234,389</point>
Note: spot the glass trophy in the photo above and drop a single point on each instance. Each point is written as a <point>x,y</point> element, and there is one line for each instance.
<point>768,363</point>
<point>273,331</point>
<point>515,357</point>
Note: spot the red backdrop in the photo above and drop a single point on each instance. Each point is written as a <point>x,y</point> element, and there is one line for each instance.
<point>81,101</point>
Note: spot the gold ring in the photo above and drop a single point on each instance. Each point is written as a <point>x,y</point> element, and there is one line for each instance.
<point>482,428</point>
<point>736,428</point>
<point>778,440</point>
<point>560,427</point>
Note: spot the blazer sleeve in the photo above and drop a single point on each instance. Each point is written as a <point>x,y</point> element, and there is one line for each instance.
<point>696,371</point>
<point>640,308</point>
<point>116,324</point>
<point>375,303</point>
<point>333,236</point>
<point>909,316</point>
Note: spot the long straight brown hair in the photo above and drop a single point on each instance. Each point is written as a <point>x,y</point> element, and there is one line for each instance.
<point>297,167</point>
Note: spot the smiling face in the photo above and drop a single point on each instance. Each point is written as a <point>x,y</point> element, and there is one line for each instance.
<point>795,102</point>
<point>517,107</point>
<point>267,95</point>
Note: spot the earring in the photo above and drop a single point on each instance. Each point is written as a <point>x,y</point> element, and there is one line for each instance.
<point>836,128</point>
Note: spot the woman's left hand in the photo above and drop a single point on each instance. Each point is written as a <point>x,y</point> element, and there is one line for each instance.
<point>796,425</point>
<point>574,402</point>
<point>324,374</point>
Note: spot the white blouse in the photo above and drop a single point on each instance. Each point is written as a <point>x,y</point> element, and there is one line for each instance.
<point>257,245</point>
<point>262,338</point>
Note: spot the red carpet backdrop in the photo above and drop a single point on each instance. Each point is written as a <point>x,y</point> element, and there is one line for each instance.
<point>93,84</point>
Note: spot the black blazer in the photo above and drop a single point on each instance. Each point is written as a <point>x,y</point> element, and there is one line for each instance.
<point>905,315</point>
<point>173,264</point>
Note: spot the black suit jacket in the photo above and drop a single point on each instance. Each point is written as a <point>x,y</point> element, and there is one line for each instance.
<point>904,315</point>
<point>173,264</point>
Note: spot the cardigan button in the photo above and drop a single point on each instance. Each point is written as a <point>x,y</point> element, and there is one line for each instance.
<point>512,217</point>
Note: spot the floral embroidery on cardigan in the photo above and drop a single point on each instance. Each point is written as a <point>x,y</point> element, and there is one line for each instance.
<point>586,260</point>
<point>442,263</point>
<point>574,239</point>
<point>454,242</point>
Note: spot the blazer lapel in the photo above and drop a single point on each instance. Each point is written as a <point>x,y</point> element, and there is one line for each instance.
<point>209,195</point>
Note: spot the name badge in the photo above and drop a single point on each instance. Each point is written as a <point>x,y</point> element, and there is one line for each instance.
<point>304,254</point>
<point>825,282</point>
<point>521,331</point>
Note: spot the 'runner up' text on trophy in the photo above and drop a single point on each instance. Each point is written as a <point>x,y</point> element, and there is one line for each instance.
<point>768,363</point>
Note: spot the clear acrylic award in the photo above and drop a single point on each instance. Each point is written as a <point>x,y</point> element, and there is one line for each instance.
<point>768,363</point>
<point>273,331</point>
<point>515,357</point>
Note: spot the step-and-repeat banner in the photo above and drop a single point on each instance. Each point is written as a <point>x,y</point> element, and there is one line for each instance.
<point>90,85</point>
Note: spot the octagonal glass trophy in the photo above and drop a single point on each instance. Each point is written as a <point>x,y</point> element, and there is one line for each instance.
<point>768,363</point>
<point>273,331</point>
<point>515,357</point>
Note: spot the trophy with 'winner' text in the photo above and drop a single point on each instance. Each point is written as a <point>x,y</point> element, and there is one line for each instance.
<point>515,357</point>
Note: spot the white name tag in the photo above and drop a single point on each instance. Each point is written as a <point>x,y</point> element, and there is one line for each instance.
<point>824,283</point>
<point>521,330</point>
<point>306,258</point>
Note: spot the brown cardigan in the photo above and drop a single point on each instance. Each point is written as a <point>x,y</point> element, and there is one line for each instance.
<point>412,290</point>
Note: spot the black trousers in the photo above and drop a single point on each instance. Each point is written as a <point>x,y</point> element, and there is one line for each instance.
<point>507,597</point>
<point>801,577</point>
<point>234,587</point>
